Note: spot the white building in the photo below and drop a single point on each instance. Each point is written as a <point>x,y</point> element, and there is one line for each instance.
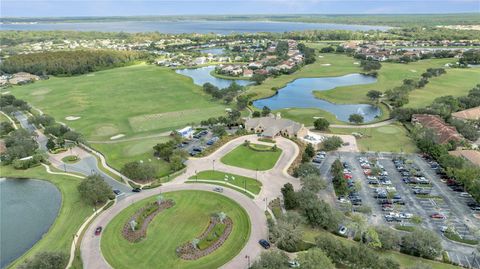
<point>186,132</point>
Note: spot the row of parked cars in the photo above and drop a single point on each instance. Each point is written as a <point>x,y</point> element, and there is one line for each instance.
<point>353,195</point>
<point>453,184</point>
<point>319,157</point>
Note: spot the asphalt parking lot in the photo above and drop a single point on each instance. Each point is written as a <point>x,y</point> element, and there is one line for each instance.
<point>420,198</point>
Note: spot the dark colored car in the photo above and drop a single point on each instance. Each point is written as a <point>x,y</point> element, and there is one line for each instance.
<point>117,192</point>
<point>264,243</point>
<point>136,190</point>
<point>98,231</point>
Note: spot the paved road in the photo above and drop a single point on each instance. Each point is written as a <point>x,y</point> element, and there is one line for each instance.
<point>87,165</point>
<point>373,125</point>
<point>272,181</point>
<point>90,248</point>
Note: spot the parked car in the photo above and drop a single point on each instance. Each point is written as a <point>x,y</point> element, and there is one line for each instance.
<point>117,192</point>
<point>98,231</point>
<point>293,264</point>
<point>343,231</point>
<point>218,189</point>
<point>136,190</point>
<point>264,243</point>
<point>437,216</point>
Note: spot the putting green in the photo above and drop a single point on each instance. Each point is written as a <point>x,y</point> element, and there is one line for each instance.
<point>172,228</point>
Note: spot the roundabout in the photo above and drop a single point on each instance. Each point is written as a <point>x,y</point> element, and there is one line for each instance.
<point>194,205</point>
<point>180,224</point>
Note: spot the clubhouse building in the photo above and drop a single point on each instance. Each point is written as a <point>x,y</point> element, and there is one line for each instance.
<point>274,126</point>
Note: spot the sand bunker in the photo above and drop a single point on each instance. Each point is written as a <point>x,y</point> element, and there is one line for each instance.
<point>320,56</point>
<point>413,70</point>
<point>117,136</point>
<point>326,64</point>
<point>356,63</point>
<point>72,118</point>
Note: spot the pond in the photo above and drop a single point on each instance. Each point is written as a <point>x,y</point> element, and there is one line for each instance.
<point>28,207</point>
<point>299,94</point>
<point>213,51</point>
<point>202,75</point>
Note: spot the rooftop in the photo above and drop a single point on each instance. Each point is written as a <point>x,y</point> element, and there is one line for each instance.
<point>443,132</point>
<point>468,114</point>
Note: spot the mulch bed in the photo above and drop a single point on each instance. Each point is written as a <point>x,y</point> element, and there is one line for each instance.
<point>137,235</point>
<point>189,252</point>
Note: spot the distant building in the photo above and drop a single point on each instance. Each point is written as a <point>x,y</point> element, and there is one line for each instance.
<point>275,126</point>
<point>186,132</point>
<point>443,132</point>
<point>473,156</point>
<point>468,114</point>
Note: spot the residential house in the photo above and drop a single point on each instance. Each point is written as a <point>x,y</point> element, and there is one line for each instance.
<point>443,132</point>
<point>468,114</point>
<point>473,156</point>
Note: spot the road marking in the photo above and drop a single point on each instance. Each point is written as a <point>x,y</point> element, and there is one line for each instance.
<point>469,265</point>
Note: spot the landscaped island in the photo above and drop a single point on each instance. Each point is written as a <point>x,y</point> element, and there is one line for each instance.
<point>172,228</point>
<point>253,156</point>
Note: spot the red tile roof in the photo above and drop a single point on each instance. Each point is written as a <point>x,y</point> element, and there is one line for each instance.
<point>443,132</point>
<point>468,114</point>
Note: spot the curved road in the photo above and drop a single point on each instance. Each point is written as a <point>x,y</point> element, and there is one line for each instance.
<point>90,248</point>
<point>272,181</point>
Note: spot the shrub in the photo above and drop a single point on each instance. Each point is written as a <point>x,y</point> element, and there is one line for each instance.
<point>332,143</point>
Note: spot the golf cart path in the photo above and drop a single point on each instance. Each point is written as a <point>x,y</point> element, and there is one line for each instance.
<point>372,125</point>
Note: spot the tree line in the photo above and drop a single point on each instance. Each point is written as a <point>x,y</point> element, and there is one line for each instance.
<point>68,63</point>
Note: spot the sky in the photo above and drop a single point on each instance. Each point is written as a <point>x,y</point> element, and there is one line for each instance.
<point>68,8</point>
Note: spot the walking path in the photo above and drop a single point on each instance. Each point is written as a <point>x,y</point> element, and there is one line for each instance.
<point>372,125</point>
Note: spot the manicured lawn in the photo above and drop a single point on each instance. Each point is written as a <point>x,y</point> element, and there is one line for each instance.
<point>118,154</point>
<point>456,82</point>
<point>70,159</point>
<point>405,261</point>
<point>73,211</point>
<point>133,100</point>
<point>172,228</point>
<point>251,184</point>
<point>389,76</point>
<point>340,65</point>
<point>389,138</point>
<point>245,157</point>
<point>308,115</point>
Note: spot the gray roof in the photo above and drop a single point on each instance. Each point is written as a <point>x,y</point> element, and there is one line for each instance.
<point>272,126</point>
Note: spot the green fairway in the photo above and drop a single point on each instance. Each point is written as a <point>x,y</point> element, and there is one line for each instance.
<point>172,228</point>
<point>389,76</point>
<point>339,65</point>
<point>456,82</point>
<point>131,100</point>
<point>73,212</point>
<point>120,153</point>
<point>391,138</point>
<point>245,157</point>
<point>251,184</point>
<point>405,261</point>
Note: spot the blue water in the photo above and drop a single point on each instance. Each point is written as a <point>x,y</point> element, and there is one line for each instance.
<point>202,75</point>
<point>213,51</point>
<point>28,208</point>
<point>202,27</point>
<point>299,94</point>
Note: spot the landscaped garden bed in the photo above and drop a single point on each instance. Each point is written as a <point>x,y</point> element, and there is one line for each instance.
<point>136,228</point>
<point>211,239</point>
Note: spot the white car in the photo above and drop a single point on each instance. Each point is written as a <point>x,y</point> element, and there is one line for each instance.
<point>343,230</point>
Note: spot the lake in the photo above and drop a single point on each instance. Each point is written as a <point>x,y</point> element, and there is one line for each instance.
<point>299,94</point>
<point>202,75</point>
<point>28,207</point>
<point>201,27</point>
<point>213,51</point>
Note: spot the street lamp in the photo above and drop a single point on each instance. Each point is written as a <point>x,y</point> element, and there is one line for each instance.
<point>213,164</point>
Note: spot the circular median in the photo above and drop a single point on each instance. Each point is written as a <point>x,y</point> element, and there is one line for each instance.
<point>174,227</point>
